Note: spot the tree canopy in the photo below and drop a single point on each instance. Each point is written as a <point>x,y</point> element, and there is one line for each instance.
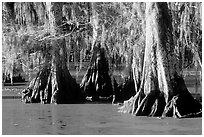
<point>119,26</point>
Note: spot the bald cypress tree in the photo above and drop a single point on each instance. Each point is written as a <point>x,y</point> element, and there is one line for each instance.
<point>40,24</point>
<point>97,83</point>
<point>162,91</point>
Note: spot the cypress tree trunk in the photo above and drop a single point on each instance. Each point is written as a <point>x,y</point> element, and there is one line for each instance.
<point>37,89</point>
<point>97,84</point>
<point>54,84</point>
<point>68,89</point>
<point>162,91</point>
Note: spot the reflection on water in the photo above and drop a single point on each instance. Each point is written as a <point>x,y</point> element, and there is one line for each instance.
<point>18,118</point>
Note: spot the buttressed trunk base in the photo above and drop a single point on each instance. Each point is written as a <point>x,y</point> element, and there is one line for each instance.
<point>162,90</point>
<point>97,84</point>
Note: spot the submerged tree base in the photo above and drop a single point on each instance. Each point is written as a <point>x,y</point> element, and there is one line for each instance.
<point>124,91</point>
<point>47,87</point>
<point>162,91</point>
<point>97,84</point>
<point>182,104</point>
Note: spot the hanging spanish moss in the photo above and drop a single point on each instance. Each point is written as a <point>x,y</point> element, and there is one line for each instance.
<point>156,41</point>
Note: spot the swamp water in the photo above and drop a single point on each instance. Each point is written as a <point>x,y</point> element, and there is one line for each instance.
<point>81,119</point>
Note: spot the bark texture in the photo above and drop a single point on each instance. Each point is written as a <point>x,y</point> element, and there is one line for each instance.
<point>97,84</point>
<point>162,91</point>
<point>54,83</point>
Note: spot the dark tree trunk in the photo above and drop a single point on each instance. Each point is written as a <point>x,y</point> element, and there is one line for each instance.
<point>97,82</point>
<point>162,91</point>
<point>54,84</point>
<point>68,91</point>
<point>125,90</point>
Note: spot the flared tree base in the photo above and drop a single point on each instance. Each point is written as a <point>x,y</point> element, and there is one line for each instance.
<point>53,87</point>
<point>97,84</point>
<point>124,91</point>
<point>181,105</point>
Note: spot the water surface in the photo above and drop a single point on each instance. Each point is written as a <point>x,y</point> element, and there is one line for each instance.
<point>80,119</point>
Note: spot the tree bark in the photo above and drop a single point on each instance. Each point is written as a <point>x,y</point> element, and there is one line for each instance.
<point>97,84</point>
<point>54,84</point>
<point>162,91</point>
<point>95,23</point>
